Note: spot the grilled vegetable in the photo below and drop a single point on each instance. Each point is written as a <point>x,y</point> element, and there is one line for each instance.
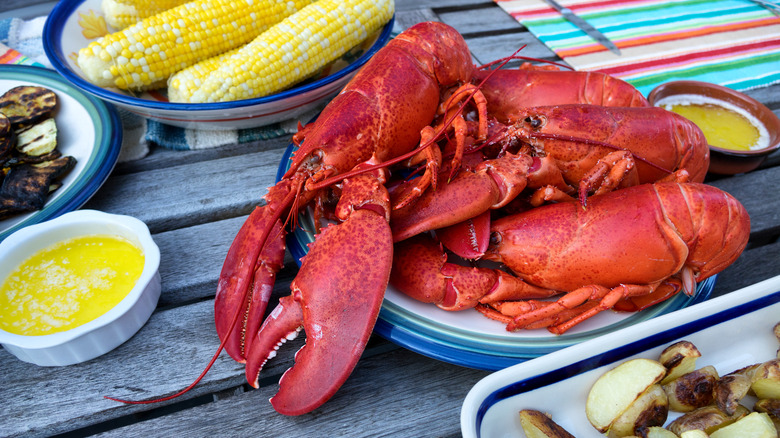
<point>288,52</point>
<point>122,13</point>
<point>7,137</point>
<point>145,54</point>
<point>27,186</point>
<point>26,104</point>
<point>39,139</point>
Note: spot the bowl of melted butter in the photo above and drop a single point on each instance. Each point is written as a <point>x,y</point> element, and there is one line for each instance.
<point>740,130</point>
<point>76,287</point>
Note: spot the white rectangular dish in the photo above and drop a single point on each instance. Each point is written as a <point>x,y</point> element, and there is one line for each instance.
<point>731,331</point>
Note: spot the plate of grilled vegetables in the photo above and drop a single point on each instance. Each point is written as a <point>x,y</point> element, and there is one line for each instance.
<point>57,146</point>
<point>215,64</point>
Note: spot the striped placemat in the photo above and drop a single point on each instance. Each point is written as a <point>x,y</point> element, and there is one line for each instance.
<point>735,43</point>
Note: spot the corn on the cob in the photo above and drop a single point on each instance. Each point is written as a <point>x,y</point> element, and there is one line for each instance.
<point>145,54</point>
<point>122,13</point>
<point>288,52</point>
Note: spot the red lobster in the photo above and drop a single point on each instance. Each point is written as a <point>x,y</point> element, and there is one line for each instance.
<point>627,249</point>
<point>594,148</point>
<point>371,121</point>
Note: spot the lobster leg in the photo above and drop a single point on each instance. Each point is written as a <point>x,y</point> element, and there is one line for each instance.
<point>492,185</point>
<point>421,271</point>
<point>337,310</point>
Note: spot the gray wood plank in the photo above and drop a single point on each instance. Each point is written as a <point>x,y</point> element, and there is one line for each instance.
<point>186,195</point>
<point>469,21</point>
<point>757,192</point>
<point>754,265</point>
<point>396,394</point>
<point>165,356</point>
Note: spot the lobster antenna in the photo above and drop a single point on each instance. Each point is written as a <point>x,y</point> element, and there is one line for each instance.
<point>334,179</point>
<point>524,58</point>
<point>290,198</point>
<point>597,143</point>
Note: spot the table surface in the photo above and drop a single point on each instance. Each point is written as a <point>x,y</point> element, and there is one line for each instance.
<point>392,392</point>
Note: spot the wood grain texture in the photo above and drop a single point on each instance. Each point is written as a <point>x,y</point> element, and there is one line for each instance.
<point>194,202</point>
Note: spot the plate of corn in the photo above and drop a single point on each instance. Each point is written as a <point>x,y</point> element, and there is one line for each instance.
<point>215,64</point>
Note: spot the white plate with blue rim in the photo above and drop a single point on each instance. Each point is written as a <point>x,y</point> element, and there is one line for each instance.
<point>731,331</point>
<point>88,130</point>
<point>468,338</point>
<point>73,24</point>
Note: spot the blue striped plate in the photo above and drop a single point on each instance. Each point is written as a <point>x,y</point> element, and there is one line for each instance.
<point>88,130</point>
<point>469,339</point>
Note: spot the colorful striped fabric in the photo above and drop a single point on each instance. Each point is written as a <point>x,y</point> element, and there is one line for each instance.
<point>11,56</point>
<point>735,43</point>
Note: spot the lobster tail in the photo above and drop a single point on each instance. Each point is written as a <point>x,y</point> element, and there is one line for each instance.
<point>714,225</point>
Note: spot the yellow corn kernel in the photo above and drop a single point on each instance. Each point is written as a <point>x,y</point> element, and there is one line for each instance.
<point>144,55</point>
<point>192,77</point>
<point>290,51</point>
<point>122,13</point>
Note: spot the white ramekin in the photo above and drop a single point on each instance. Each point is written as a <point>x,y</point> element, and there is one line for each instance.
<point>105,332</point>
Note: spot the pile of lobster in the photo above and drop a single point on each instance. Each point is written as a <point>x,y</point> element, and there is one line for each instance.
<point>570,180</point>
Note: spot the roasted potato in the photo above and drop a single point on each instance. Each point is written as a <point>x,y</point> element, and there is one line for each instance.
<point>766,379</point>
<point>730,390</point>
<point>753,425</point>
<point>658,432</point>
<point>679,358</point>
<point>692,390</point>
<point>538,425</point>
<point>708,419</point>
<point>649,409</point>
<point>694,434</point>
<point>770,407</point>
<point>614,391</point>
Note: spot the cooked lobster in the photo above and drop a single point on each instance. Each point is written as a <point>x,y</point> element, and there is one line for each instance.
<point>421,102</point>
<point>631,248</point>
<point>338,291</point>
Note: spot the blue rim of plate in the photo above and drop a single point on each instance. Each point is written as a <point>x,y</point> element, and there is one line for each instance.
<point>104,154</point>
<point>53,29</point>
<point>462,347</point>
<point>620,353</point>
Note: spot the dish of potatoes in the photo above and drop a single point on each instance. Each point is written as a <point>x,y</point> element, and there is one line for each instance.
<point>710,370</point>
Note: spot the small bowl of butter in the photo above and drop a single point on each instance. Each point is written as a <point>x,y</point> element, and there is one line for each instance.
<point>76,287</point>
<point>740,130</point>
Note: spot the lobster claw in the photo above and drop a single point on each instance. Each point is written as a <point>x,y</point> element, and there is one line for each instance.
<point>337,310</point>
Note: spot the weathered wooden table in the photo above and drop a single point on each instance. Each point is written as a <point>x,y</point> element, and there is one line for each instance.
<point>194,202</point>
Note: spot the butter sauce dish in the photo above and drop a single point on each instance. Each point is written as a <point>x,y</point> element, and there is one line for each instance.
<point>47,328</point>
<point>720,112</point>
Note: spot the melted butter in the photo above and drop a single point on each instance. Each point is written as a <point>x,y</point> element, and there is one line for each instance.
<point>69,284</point>
<point>724,125</point>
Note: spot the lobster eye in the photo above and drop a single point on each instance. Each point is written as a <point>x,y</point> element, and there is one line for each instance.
<point>535,122</point>
<point>315,156</point>
<point>495,238</point>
